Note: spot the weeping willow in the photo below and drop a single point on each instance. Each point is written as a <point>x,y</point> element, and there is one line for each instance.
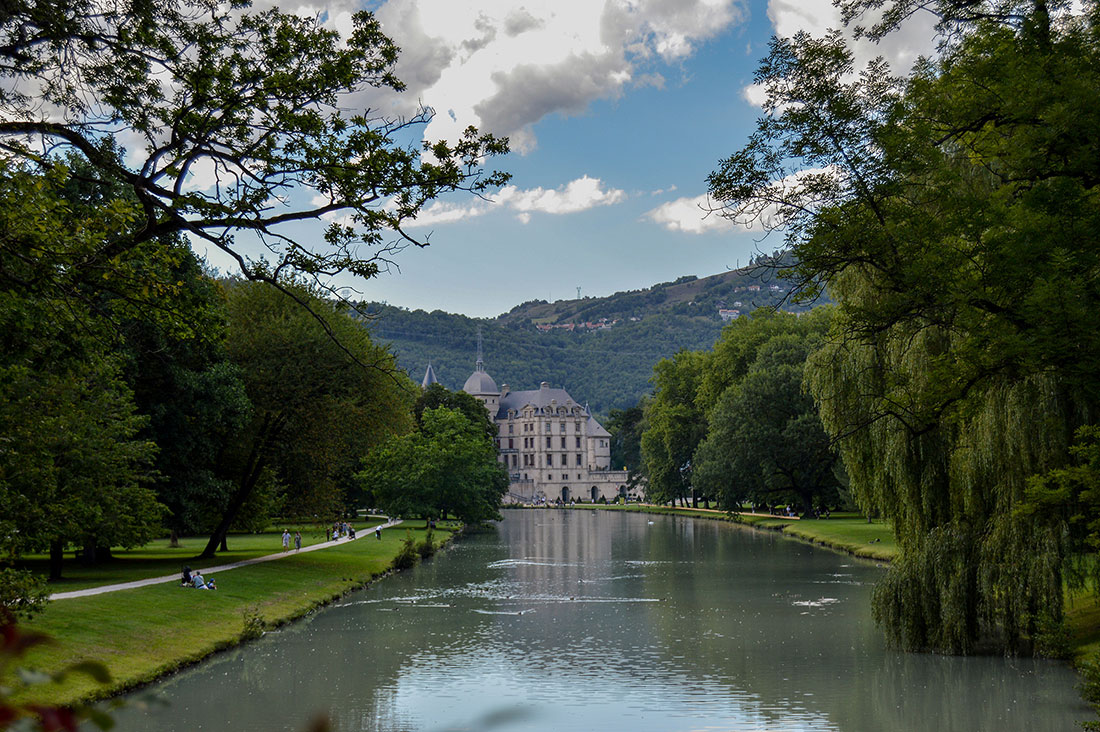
<point>951,474</point>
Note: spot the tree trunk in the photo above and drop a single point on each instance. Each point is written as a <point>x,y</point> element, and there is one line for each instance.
<point>173,539</point>
<point>250,476</point>
<point>57,554</point>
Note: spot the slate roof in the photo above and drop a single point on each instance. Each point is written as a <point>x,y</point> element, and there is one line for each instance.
<point>429,377</point>
<point>541,399</point>
<point>480,383</point>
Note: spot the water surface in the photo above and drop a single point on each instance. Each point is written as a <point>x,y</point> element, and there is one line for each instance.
<point>584,620</point>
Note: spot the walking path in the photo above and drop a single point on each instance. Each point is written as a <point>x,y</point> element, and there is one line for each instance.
<point>223,568</point>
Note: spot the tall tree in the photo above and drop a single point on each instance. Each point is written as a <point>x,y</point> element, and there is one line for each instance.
<point>765,442</point>
<point>952,216</point>
<point>674,427</point>
<point>627,427</point>
<point>73,468</point>
<point>322,394</point>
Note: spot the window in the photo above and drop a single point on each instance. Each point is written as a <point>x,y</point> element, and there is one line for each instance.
<point>511,442</point>
<point>511,429</point>
<point>549,461</point>
<point>563,426</point>
<point>563,442</point>
<point>548,445</point>
<point>564,476</point>
<point>515,460</point>
<point>578,442</point>
<point>577,427</point>
<point>579,463</point>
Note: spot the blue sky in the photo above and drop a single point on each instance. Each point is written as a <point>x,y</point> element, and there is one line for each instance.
<point>617,110</point>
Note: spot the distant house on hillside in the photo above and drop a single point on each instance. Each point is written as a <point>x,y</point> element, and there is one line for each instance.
<point>725,314</point>
<point>552,447</point>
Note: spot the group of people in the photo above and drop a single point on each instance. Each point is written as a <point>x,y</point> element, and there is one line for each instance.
<point>196,580</point>
<point>297,540</point>
<point>341,528</point>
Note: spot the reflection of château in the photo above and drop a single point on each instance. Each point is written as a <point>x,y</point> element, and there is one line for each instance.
<point>552,446</point>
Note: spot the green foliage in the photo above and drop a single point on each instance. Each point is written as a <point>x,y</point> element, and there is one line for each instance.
<point>952,215</point>
<point>447,467</point>
<point>73,465</point>
<point>674,427</point>
<point>408,557</point>
<point>627,427</point>
<point>765,443</point>
<point>426,547</point>
<point>253,624</point>
<point>253,97</point>
<point>607,369</point>
<point>322,395</point>
<point>437,395</point>
<point>23,593</point>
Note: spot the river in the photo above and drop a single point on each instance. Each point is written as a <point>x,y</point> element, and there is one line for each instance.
<point>598,620</point>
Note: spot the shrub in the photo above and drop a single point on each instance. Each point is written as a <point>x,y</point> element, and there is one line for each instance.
<point>408,556</point>
<point>426,548</point>
<point>254,624</point>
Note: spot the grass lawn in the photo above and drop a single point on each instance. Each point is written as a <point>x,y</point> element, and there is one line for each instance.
<point>847,532</point>
<point>157,558</point>
<point>141,634</point>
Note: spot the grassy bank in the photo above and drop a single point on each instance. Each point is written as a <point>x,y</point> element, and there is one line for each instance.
<point>849,533</point>
<point>158,558</point>
<point>853,534</point>
<point>144,633</point>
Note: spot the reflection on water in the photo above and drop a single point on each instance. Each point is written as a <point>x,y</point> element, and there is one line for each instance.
<point>597,620</point>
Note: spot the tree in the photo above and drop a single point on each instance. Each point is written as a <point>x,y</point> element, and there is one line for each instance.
<point>765,442</point>
<point>952,216</point>
<point>627,427</point>
<point>322,395</point>
<point>674,427</point>
<point>446,467</point>
<point>437,395</point>
<point>239,122</point>
<point>73,467</point>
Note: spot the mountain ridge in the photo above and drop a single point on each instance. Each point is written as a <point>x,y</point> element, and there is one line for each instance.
<point>601,349</point>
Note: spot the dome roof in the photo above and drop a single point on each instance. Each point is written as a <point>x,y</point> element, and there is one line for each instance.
<point>480,383</point>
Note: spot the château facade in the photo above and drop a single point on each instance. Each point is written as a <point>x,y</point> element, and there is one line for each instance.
<point>552,447</point>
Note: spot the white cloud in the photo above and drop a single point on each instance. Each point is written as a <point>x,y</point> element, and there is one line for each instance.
<point>503,66</point>
<point>578,195</point>
<point>701,215</point>
<point>689,215</point>
<point>915,37</point>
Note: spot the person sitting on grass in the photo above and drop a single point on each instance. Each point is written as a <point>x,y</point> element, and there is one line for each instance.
<point>210,584</point>
<point>197,581</point>
<point>185,581</point>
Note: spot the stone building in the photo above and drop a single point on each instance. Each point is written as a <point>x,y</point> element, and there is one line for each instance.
<point>552,446</point>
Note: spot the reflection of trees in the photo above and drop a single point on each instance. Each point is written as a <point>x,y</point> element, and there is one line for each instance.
<point>725,641</point>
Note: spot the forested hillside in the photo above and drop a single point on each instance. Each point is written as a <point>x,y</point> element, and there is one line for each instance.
<point>607,367</point>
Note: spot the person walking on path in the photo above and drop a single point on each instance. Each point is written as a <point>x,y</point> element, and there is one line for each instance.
<point>378,533</point>
<point>286,540</point>
<point>297,541</point>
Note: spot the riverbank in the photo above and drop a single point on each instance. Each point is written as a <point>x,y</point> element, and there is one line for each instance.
<point>874,540</point>
<point>143,634</point>
<point>848,533</point>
